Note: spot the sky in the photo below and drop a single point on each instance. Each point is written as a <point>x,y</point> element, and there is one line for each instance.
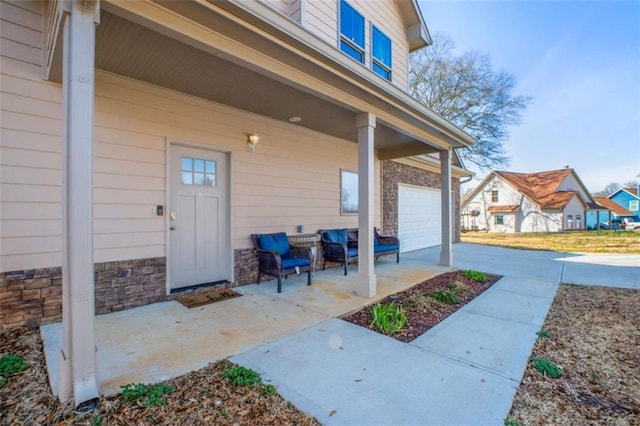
<point>578,60</point>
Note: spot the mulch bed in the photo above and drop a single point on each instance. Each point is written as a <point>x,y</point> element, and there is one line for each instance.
<point>200,397</point>
<point>422,311</point>
<point>594,338</point>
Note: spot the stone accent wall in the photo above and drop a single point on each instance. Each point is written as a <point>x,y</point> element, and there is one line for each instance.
<point>394,173</point>
<point>34,297</point>
<point>246,265</point>
<point>30,297</point>
<point>126,284</point>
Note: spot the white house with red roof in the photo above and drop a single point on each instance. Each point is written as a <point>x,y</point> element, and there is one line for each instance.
<point>547,201</point>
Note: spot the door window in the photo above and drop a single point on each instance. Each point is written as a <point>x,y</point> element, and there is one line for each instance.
<point>196,171</point>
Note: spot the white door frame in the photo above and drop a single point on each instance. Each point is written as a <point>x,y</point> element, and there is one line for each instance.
<point>228,210</point>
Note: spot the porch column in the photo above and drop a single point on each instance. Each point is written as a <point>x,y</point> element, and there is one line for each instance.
<point>366,123</point>
<point>446,252</point>
<point>77,361</point>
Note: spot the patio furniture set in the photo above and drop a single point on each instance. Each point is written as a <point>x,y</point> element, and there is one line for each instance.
<point>280,255</point>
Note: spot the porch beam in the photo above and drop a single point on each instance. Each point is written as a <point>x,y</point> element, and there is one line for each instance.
<point>446,251</point>
<point>78,365</point>
<point>366,124</point>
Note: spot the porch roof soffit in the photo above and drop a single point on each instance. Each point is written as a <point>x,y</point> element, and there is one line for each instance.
<point>174,45</point>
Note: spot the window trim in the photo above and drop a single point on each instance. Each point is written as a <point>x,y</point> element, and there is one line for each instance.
<point>496,198</point>
<point>495,219</point>
<point>344,38</point>
<point>375,61</point>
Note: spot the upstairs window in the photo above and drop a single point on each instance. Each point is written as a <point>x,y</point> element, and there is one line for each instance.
<point>351,32</point>
<point>494,196</point>
<point>380,53</point>
<point>633,205</point>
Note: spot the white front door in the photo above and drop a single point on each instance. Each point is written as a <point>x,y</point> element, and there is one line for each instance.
<point>419,217</point>
<point>198,217</point>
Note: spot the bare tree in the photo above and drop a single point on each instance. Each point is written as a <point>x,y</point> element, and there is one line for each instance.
<point>612,187</point>
<point>468,92</point>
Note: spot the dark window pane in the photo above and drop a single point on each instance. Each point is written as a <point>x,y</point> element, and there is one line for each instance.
<point>351,24</point>
<point>349,50</point>
<point>187,178</point>
<point>381,49</point>
<point>382,72</point>
<point>187,164</point>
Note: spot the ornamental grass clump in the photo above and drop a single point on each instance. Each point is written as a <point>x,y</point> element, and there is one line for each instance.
<point>475,275</point>
<point>389,318</point>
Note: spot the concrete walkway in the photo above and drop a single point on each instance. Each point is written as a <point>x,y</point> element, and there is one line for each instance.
<point>463,371</point>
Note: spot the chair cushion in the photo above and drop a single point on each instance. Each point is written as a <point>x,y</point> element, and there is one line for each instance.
<point>278,243</point>
<point>385,247</point>
<point>337,236</point>
<point>352,252</point>
<point>292,262</point>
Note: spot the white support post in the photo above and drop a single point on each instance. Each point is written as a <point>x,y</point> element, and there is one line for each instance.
<point>366,123</point>
<point>446,252</point>
<point>78,365</point>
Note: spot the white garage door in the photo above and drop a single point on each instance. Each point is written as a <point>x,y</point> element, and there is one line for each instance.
<point>419,217</point>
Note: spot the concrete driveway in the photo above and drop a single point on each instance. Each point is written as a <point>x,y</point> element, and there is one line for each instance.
<point>463,371</point>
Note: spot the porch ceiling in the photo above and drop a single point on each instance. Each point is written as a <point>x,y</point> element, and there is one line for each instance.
<point>132,50</point>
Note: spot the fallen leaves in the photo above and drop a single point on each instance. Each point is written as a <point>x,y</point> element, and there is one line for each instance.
<point>594,337</point>
<point>200,397</point>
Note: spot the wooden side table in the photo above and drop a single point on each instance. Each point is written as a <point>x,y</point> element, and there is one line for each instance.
<point>306,240</point>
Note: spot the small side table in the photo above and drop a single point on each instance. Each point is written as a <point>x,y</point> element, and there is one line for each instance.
<point>306,240</point>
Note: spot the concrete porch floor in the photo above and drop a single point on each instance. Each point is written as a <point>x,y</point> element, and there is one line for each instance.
<point>164,340</point>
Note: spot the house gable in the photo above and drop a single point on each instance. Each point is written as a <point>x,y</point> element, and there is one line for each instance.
<point>628,199</point>
<point>543,201</point>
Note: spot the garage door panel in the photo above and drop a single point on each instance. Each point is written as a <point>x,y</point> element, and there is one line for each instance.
<point>419,217</point>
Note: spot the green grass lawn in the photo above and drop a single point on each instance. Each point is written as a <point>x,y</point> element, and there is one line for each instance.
<point>574,241</point>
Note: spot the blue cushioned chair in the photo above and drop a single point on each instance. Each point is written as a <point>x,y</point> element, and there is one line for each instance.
<point>336,247</point>
<point>278,259</point>
<point>341,245</point>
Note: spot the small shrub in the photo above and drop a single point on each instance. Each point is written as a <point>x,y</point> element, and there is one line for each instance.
<point>389,318</point>
<point>544,334</point>
<point>96,421</point>
<point>446,296</point>
<point>475,275</point>
<point>508,422</point>
<point>241,376</point>
<point>546,367</point>
<point>149,395</point>
<point>12,364</point>
<point>9,365</point>
<point>268,390</point>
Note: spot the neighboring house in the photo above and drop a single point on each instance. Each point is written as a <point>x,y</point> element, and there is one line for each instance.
<point>614,211</point>
<point>628,199</point>
<point>144,142</point>
<point>528,202</point>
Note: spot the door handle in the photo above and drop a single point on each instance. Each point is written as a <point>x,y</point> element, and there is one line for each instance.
<point>172,227</point>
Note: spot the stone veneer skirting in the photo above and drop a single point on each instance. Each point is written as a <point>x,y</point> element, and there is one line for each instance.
<point>33,297</point>
<point>394,173</point>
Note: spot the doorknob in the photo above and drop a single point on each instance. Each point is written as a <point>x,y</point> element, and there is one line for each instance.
<point>172,227</point>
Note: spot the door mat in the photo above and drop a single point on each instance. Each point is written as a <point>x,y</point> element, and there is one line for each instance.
<point>206,297</point>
